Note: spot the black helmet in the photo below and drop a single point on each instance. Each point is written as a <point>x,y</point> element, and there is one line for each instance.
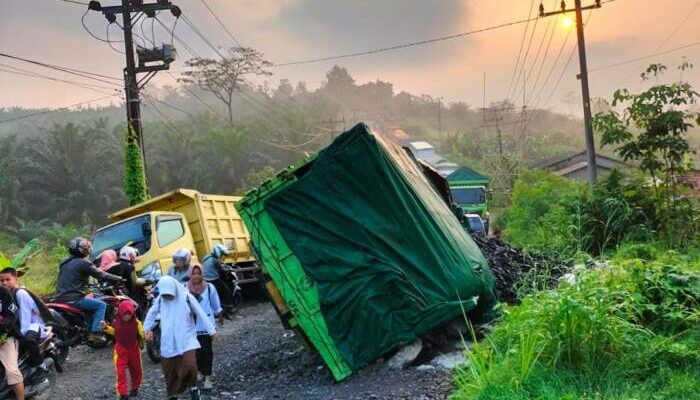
<point>77,248</point>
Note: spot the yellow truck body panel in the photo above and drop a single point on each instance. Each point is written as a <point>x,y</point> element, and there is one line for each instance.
<point>212,219</point>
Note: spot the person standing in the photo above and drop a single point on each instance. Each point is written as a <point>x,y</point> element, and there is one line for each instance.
<point>208,299</point>
<point>180,270</point>
<point>178,311</point>
<point>73,275</point>
<point>8,343</point>
<point>128,338</point>
<point>213,268</point>
<point>33,314</point>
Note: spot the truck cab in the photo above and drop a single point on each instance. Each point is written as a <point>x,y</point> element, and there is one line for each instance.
<point>470,191</point>
<point>155,234</point>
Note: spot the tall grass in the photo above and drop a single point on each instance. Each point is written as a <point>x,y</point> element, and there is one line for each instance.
<point>624,332</point>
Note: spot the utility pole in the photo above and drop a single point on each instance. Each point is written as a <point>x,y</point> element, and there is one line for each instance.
<point>587,117</point>
<point>440,117</point>
<point>331,125</point>
<point>150,61</point>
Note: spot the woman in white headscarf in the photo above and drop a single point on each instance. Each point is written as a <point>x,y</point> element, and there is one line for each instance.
<point>180,314</point>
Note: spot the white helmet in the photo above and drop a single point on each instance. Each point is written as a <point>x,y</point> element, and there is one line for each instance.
<point>128,253</point>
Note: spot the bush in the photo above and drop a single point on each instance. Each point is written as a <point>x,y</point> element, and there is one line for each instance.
<point>551,214</point>
<point>628,331</point>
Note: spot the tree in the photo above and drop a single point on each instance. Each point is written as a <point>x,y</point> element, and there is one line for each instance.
<point>135,187</point>
<point>662,118</point>
<point>226,76</point>
<point>652,131</point>
<point>70,174</point>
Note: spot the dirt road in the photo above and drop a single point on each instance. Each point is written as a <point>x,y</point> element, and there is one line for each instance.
<point>257,359</point>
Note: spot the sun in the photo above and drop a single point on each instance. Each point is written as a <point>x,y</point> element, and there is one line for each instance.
<point>567,22</point>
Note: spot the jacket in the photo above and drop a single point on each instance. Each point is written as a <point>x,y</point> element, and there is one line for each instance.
<point>73,275</point>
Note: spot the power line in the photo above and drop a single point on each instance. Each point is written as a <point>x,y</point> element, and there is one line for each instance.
<point>678,27</point>
<point>522,67</point>
<point>73,71</point>
<point>55,110</point>
<point>544,57</point>
<point>16,71</point>
<point>404,45</point>
<point>221,23</point>
<point>632,60</point>
<point>520,51</point>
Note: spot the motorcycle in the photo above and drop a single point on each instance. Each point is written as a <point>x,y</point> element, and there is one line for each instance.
<point>229,277</point>
<point>38,389</point>
<point>72,325</point>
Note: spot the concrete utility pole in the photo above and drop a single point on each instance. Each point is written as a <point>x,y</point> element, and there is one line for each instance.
<point>440,117</point>
<point>588,127</point>
<point>150,61</point>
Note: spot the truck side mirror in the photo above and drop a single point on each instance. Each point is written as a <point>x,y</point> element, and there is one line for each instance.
<point>146,229</point>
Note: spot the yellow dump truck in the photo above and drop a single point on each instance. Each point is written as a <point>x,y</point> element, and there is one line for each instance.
<point>180,218</point>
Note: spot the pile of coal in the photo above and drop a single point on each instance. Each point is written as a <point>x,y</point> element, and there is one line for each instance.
<point>518,272</point>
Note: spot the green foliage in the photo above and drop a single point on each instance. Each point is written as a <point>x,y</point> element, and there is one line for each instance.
<point>135,187</point>
<point>540,218</point>
<point>652,131</point>
<point>553,215</point>
<point>628,331</point>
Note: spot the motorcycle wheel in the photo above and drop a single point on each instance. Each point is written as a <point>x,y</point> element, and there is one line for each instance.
<point>48,393</point>
<point>62,344</point>
<point>153,347</point>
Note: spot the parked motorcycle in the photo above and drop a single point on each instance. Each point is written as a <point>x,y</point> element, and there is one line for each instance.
<point>230,278</point>
<point>34,388</point>
<point>72,325</point>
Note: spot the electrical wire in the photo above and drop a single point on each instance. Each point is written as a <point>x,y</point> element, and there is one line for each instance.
<point>632,60</point>
<point>110,41</point>
<point>221,23</point>
<point>403,45</point>
<point>55,110</point>
<point>522,66</point>
<point>201,36</point>
<point>522,45</point>
<point>23,72</point>
<point>73,71</point>
<point>544,57</point>
<point>678,27</point>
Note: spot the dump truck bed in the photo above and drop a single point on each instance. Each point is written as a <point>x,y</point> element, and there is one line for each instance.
<point>361,253</point>
<point>212,219</point>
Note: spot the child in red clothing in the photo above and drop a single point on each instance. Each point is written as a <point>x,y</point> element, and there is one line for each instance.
<point>128,337</point>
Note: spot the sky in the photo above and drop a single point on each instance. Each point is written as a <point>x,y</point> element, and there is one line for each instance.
<point>291,30</point>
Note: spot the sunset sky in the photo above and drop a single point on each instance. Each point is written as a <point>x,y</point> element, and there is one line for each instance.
<point>289,30</point>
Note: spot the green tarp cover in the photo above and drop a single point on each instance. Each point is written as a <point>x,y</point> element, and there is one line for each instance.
<point>389,259</point>
<point>467,174</point>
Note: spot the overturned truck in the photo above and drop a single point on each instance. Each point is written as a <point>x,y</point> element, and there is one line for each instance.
<point>360,253</point>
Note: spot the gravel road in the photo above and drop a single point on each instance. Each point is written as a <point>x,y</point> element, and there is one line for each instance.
<point>257,359</point>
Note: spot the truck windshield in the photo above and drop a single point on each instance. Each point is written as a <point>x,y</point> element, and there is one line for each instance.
<point>114,237</point>
<point>467,196</point>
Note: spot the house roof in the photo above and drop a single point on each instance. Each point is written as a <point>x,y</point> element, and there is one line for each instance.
<point>466,174</point>
<point>570,156</point>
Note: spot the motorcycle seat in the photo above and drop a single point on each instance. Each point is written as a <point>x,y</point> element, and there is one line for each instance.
<point>66,307</point>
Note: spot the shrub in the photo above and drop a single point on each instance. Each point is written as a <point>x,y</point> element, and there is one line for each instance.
<point>628,331</point>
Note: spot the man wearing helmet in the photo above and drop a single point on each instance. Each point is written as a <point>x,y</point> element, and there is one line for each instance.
<point>214,266</point>
<point>180,269</point>
<point>73,274</point>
